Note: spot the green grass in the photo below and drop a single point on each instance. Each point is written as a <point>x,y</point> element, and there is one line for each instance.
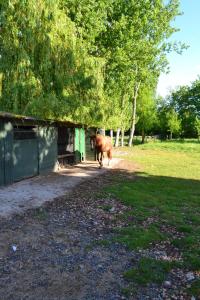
<point>167,158</point>
<point>194,289</point>
<point>149,270</point>
<point>138,237</point>
<point>167,189</point>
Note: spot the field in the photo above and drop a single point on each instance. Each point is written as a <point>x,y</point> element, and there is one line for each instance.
<point>165,214</point>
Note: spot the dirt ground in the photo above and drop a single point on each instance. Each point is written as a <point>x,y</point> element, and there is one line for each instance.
<point>57,251</point>
<point>33,192</point>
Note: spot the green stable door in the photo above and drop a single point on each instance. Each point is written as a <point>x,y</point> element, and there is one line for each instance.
<point>79,144</point>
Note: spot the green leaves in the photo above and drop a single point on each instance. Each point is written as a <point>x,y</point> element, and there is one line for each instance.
<point>185,103</point>
<point>47,71</point>
<point>81,59</point>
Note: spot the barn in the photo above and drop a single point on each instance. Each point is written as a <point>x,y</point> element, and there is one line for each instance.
<point>30,147</point>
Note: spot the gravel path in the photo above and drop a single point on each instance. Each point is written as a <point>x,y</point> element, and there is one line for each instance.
<point>33,192</point>
<point>58,252</point>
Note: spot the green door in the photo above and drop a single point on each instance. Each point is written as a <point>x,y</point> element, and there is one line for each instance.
<point>25,158</point>
<point>25,152</point>
<point>82,143</point>
<point>79,144</point>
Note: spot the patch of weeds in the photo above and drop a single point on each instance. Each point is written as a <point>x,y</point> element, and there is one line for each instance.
<point>149,271</point>
<point>40,214</point>
<point>138,237</point>
<point>103,242</point>
<point>184,243</point>
<point>129,291</point>
<point>142,214</point>
<point>100,195</point>
<point>185,228</point>
<point>194,290</point>
<point>106,207</point>
<point>191,260</point>
<point>194,219</point>
<point>190,248</point>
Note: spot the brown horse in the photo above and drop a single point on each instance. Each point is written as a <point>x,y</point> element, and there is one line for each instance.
<point>101,144</point>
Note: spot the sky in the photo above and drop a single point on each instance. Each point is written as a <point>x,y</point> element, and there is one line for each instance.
<point>184,68</point>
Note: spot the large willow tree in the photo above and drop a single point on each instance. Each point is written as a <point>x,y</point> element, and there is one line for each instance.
<point>46,70</point>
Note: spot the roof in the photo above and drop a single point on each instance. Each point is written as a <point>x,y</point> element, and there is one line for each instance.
<point>32,120</point>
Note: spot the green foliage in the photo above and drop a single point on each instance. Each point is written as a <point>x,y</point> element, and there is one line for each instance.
<point>169,123</point>
<point>109,29</point>
<point>90,18</point>
<point>81,59</point>
<point>173,123</point>
<point>146,111</point>
<point>46,70</point>
<point>197,126</point>
<point>185,101</point>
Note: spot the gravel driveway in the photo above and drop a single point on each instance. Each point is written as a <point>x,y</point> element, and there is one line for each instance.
<point>33,192</point>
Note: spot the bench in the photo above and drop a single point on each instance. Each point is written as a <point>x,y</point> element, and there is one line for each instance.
<point>66,158</point>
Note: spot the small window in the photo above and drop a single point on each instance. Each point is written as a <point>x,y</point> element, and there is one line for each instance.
<point>24,132</point>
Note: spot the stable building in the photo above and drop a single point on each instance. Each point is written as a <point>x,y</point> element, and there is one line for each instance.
<point>30,147</point>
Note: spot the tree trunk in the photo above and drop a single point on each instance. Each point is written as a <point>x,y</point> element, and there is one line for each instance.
<point>130,142</point>
<point>117,137</point>
<point>111,135</point>
<point>143,136</point>
<point>122,138</point>
<point>170,136</point>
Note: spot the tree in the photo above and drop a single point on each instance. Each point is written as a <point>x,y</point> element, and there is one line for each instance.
<point>146,111</point>
<point>173,122</point>
<point>135,45</point>
<point>185,101</point>
<point>197,127</point>
<point>46,69</point>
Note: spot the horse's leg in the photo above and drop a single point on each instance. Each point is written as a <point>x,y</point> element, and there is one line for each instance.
<point>109,154</point>
<point>98,159</point>
<point>97,156</point>
<point>101,160</point>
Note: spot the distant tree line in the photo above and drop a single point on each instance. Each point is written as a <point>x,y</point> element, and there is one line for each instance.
<point>95,62</point>
<point>177,115</point>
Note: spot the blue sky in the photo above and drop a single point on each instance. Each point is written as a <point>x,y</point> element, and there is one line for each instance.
<point>186,67</point>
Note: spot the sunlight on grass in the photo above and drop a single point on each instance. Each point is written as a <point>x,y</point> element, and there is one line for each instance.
<point>172,159</point>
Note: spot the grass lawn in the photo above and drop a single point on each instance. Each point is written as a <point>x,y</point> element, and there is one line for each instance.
<point>165,201</point>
